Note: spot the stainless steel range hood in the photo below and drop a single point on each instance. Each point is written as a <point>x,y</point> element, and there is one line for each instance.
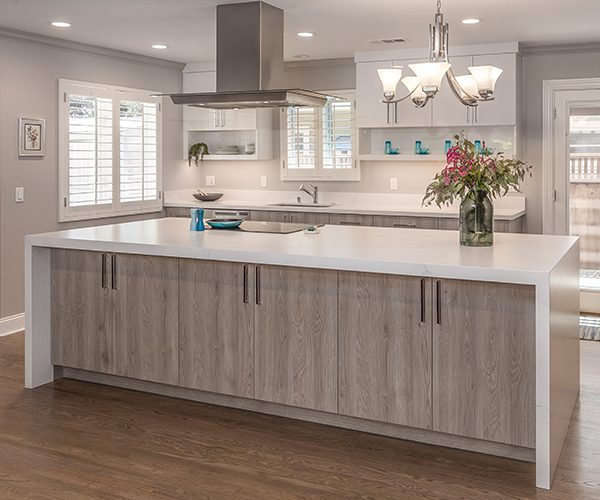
<point>250,62</point>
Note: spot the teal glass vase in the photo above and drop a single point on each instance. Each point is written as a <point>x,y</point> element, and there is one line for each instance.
<point>476,220</point>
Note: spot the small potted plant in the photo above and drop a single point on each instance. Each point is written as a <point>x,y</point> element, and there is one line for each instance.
<point>475,176</point>
<point>197,152</point>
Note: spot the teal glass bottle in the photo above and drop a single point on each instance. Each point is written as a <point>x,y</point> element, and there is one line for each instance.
<point>476,220</point>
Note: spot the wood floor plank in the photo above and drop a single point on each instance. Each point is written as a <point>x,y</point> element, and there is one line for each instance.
<point>76,440</point>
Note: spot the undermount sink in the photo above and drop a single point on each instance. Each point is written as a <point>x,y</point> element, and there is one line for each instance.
<point>303,205</point>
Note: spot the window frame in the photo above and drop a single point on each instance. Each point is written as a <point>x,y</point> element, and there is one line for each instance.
<point>116,208</point>
<point>319,173</point>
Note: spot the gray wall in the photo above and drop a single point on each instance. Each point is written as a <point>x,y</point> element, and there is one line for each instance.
<point>29,72</point>
<point>553,64</point>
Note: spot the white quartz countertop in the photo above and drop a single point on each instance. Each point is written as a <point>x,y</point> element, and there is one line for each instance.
<point>509,208</point>
<point>514,258</point>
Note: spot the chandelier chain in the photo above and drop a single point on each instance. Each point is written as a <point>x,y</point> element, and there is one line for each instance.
<point>439,6</point>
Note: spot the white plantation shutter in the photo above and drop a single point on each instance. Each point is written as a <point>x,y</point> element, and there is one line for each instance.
<point>318,143</point>
<point>337,134</point>
<point>138,151</point>
<point>110,151</point>
<point>90,123</point>
<point>302,144</point>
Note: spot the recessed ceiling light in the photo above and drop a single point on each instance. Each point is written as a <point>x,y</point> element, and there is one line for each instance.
<point>159,46</point>
<point>471,20</point>
<point>306,34</point>
<point>60,24</point>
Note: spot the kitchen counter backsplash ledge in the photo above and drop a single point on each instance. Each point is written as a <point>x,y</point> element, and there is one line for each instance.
<point>510,207</point>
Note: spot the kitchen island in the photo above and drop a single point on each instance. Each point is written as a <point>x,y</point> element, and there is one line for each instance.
<point>400,332</point>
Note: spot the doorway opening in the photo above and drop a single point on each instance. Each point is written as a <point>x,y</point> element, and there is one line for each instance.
<point>572,175</point>
<point>584,190</point>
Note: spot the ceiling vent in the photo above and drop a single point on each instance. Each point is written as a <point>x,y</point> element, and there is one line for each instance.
<point>388,41</point>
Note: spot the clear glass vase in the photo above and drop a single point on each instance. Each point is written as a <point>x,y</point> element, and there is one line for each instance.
<point>477,220</point>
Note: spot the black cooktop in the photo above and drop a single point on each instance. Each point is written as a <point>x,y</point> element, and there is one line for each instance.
<point>269,227</point>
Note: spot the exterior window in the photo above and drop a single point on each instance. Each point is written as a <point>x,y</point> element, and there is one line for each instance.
<point>110,151</point>
<point>318,143</point>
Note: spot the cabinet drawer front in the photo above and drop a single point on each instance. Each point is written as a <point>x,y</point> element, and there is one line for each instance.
<point>351,220</point>
<point>405,222</point>
<point>484,361</point>
<point>385,348</point>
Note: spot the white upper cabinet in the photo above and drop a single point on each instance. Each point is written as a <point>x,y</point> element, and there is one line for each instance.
<point>371,112</point>
<point>503,110</point>
<point>448,110</point>
<point>198,118</point>
<point>211,119</point>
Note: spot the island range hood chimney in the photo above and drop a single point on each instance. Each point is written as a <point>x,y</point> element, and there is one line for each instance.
<point>250,62</point>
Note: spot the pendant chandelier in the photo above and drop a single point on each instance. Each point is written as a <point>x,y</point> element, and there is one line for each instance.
<point>470,90</point>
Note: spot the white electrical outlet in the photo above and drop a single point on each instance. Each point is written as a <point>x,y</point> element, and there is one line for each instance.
<point>210,180</point>
<point>19,195</point>
<point>393,184</point>
<point>264,182</point>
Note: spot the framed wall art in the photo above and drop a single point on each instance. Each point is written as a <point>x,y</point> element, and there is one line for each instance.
<point>32,137</point>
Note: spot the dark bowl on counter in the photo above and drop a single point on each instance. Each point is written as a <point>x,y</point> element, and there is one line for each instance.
<point>208,196</point>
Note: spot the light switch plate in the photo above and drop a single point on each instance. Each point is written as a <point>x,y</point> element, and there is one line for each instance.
<point>393,184</point>
<point>19,195</point>
<point>210,180</point>
<point>264,182</point>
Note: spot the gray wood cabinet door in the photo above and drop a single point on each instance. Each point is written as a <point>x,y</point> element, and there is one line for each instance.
<point>296,337</point>
<point>484,361</point>
<point>216,327</point>
<point>351,219</point>
<point>80,311</point>
<point>385,348</point>
<point>144,293</point>
<point>405,222</point>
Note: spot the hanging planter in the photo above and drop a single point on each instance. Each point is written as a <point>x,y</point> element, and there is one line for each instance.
<point>475,176</point>
<point>197,152</point>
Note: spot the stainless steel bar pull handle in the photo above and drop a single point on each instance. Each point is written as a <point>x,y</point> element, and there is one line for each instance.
<point>423,311</point>
<point>104,270</point>
<point>114,273</point>
<point>438,299</point>
<point>245,284</point>
<point>258,297</point>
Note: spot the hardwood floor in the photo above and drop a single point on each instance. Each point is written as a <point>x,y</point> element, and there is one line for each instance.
<point>74,440</point>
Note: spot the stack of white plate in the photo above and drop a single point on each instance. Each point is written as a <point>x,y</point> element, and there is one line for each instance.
<point>227,150</point>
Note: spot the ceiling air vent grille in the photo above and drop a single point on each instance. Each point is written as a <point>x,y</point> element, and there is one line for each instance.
<point>388,41</point>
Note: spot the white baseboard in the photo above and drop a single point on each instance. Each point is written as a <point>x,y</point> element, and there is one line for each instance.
<point>12,324</point>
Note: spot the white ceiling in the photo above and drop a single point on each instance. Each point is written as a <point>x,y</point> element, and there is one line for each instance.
<point>343,26</point>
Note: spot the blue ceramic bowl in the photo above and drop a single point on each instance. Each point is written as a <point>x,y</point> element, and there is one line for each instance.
<point>224,223</point>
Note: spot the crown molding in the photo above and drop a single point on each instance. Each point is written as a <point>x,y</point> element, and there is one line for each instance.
<point>566,48</point>
<point>60,44</point>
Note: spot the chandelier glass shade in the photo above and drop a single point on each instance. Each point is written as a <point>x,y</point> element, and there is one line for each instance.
<point>470,89</point>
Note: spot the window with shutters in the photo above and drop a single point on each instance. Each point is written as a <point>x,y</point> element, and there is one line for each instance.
<point>109,151</point>
<point>318,143</point>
